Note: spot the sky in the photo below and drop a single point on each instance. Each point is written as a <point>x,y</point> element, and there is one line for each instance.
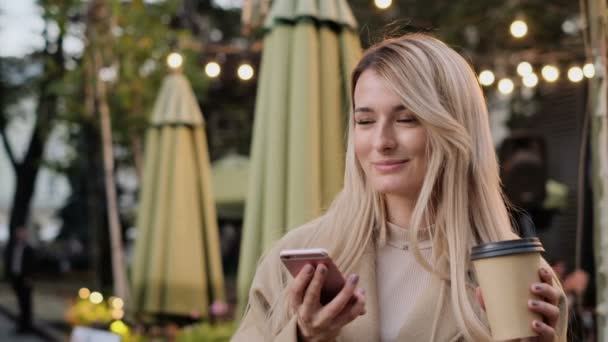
<point>20,27</point>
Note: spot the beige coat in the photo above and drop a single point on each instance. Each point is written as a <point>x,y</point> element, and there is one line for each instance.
<point>423,326</point>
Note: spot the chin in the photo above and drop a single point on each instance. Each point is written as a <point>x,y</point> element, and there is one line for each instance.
<point>396,189</point>
<point>390,189</point>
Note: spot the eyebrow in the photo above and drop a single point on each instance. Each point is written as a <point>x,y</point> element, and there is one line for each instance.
<point>397,108</point>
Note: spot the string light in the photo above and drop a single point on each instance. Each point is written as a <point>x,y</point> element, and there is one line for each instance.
<point>212,69</point>
<point>245,72</point>
<point>486,78</point>
<point>519,28</point>
<point>174,60</point>
<point>530,80</point>
<point>96,297</point>
<point>524,68</point>
<point>505,86</point>
<point>550,73</point>
<point>117,303</point>
<point>383,4</point>
<point>589,70</point>
<point>117,314</point>
<point>575,74</point>
<point>84,293</point>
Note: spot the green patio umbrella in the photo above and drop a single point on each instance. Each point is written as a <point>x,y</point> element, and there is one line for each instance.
<point>177,266</point>
<point>297,155</point>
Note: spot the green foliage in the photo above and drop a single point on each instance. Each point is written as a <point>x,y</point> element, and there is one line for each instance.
<point>142,40</point>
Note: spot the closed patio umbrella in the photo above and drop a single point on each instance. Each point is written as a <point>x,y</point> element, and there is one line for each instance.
<point>297,154</point>
<point>177,266</point>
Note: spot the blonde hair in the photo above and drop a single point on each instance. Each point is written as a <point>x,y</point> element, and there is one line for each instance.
<point>461,193</point>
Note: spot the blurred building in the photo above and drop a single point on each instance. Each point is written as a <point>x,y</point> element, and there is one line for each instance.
<point>556,116</point>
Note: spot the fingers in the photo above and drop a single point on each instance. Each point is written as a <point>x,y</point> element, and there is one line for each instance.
<point>333,308</point>
<point>545,276</point>
<point>550,312</point>
<point>312,296</point>
<point>547,292</point>
<point>351,311</point>
<point>299,285</point>
<point>545,332</point>
<point>548,300</point>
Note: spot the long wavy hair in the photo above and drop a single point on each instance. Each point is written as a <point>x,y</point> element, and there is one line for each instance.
<point>461,193</point>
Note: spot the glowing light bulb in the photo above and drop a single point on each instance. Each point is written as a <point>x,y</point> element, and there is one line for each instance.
<point>175,60</point>
<point>575,74</point>
<point>117,303</point>
<point>530,80</point>
<point>486,77</point>
<point>245,72</point>
<point>383,4</point>
<point>519,28</point>
<point>117,314</point>
<point>212,69</point>
<point>505,86</point>
<point>589,70</point>
<point>524,68</point>
<point>96,297</point>
<point>550,73</point>
<point>84,293</point>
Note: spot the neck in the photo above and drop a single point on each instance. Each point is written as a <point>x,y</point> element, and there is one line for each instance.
<point>399,209</point>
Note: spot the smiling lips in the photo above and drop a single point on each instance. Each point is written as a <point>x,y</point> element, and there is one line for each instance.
<point>389,165</point>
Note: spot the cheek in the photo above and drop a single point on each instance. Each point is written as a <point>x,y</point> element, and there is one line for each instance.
<point>360,150</point>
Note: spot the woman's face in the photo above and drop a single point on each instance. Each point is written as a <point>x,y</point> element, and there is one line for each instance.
<point>390,143</point>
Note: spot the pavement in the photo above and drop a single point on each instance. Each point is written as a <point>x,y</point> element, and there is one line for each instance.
<point>49,307</point>
<point>7,328</point>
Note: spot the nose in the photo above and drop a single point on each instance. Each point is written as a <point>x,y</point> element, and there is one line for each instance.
<point>384,137</point>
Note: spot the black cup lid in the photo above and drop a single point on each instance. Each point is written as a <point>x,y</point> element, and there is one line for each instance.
<point>508,247</point>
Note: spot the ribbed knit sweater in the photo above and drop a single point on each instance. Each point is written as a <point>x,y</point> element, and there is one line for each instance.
<point>400,280</point>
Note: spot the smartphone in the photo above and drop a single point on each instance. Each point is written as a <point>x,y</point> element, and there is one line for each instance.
<point>295,259</point>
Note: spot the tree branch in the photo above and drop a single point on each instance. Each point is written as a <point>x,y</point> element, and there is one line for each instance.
<point>8,149</point>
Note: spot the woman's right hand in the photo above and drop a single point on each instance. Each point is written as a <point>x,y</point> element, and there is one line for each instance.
<point>323,323</point>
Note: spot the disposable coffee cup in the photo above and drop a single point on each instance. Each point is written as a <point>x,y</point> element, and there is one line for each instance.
<point>505,271</point>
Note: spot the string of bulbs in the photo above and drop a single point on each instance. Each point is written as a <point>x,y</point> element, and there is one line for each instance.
<point>518,29</point>
<point>213,69</point>
<point>550,73</point>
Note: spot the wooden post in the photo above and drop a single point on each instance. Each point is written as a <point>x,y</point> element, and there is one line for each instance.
<point>596,13</point>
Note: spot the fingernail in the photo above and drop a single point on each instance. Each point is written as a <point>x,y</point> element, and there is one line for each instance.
<point>309,269</point>
<point>322,269</point>
<point>354,279</point>
<point>544,271</point>
<point>362,291</point>
<point>536,324</point>
<point>537,287</point>
<point>533,303</point>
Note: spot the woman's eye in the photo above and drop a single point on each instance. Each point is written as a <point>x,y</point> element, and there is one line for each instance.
<point>410,119</point>
<point>364,121</point>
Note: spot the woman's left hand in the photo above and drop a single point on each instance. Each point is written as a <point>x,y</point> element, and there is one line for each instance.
<point>546,306</point>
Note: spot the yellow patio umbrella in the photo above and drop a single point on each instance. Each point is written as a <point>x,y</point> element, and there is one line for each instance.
<point>177,266</point>
<point>297,154</point>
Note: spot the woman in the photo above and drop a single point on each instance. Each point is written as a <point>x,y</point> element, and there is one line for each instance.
<point>421,187</point>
